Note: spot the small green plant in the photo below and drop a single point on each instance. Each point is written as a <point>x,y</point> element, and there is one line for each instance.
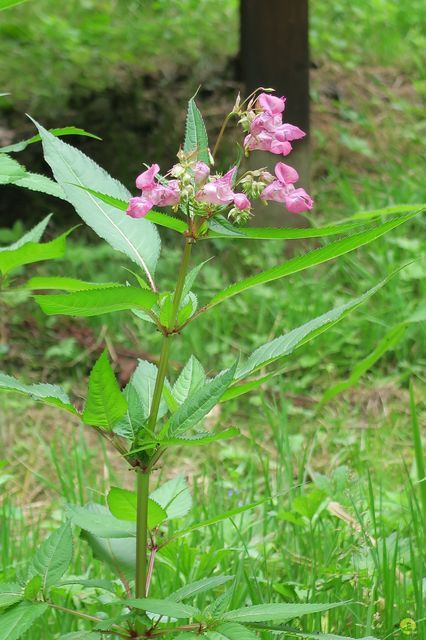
<point>154,413</point>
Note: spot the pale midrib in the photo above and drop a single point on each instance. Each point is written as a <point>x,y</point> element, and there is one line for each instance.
<point>126,239</point>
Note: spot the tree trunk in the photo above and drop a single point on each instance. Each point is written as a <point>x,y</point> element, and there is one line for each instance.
<point>275,53</point>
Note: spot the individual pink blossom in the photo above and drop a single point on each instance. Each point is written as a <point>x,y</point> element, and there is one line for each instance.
<point>164,195</point>
<point>282,190</point>
<point>201,172</point>
<point>241,201</point>
<point>146,179</point>
<point>265,122</point>
<point>139,207</point>
<point>266,141</point>
<point>298,201</point>
<point>218,190</point>
<point>270,104</point>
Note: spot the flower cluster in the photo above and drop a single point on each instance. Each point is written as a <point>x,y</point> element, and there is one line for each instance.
<point>190,186</point>
<point>267,131</point>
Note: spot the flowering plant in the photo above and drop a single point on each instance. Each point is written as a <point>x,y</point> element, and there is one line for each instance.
<point>155,413</point>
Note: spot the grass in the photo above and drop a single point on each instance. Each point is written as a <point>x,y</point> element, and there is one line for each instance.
<point>349,523</point>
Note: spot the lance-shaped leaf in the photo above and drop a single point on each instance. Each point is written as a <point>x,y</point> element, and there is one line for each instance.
<point>174,497</point>
<point>137,239</point>
<point>33,252</point>
<point>40,183</point>
<point>53,557</point>
<point>286,344</point>
<point>97,301</point>
<point>123,505</point>
<point>231,631</point>
<point>143,380</point>
<point>48,393</point>
<point>105,403</point>
<point>17,620</point>
<point>162,219</point>
<point>217,229</point>
<point>200,438</point>
<point>66,284</point>
<point>190,379</point>
<point>389,340</point>
<point>200,586</point>
<point>10,169</point>
<point>167,608</point>
<point>10,593</point>
<point>63,131</point>
<point>33,235</point>
<point>199,404</point>
<point>98,521</point>
<point>318,256</point>
<point>277,612</point>
<point>218,518</point>
<point>196,140</point>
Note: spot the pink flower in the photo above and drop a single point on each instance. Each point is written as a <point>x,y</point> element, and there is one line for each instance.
<point>265,141</point>
<point>139,207</point>
<point>298,201</point>
<point>164,195</point>
<point>218,190</point>
<point>271,104</point>
<point>265,122</point>
<point>288,132</point>
<point>282,190</point>
<point>146,179</point>
<point>241,201</point>
<point>201,171</point>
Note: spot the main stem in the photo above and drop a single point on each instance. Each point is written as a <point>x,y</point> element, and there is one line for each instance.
<point>144,474</point>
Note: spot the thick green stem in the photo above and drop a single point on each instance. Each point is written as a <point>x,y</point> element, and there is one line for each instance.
<point>144,473</point>
<point>141,532</point>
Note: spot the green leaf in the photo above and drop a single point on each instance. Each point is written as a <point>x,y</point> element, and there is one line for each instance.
<point>53,557</point>
<point>196,135</point>
<point>143,380</point>
<point>134,419</point>
<point>43,184</point>
<point>200,586</point>
<point>64,131</point>
<point>118,553</point>
<point>162,219</point>
<point>10,593</point>
<point>48,393</point>
<point>98,520</point>
<point>277,612</point>
<point>97,301</point>
<point>66,284</point>
<point>318,256</point>
<point>123,505</point>
<point>218,518</point>
<point>167,608</point>
<point>33,252</point>
<point>200,439</point>
<point>33,588</point>
<point>81,635</point>
<point>217,230</point>
<point>397,209</point>
<point>17,620</point>
<point>10,169</point>
<point>192,276</point>
<point>33,235</point>
<point>174,497</point>
<point>105,403</point>
<point>191,378</point>
<point>389,340</point>
<point>137,239</point>
<point>231,631</point>
<point>286,344</point>
<point>194,408</point>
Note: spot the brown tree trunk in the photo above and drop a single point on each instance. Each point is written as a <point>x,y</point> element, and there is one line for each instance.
<point>275,53</point>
